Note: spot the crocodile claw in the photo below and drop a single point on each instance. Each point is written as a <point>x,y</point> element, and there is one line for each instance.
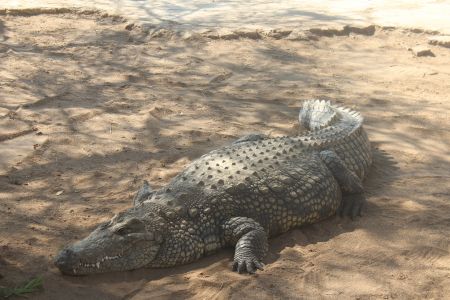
<point>247,265</point>
<point>352,205</point>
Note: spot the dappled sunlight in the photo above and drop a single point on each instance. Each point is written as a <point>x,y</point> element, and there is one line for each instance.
<point>103,108</point>
<point>258,14</point>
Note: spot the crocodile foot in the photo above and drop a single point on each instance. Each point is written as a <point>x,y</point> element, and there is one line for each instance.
<point>250,242</point>
<point>351,205</point>
<point>247,264</point>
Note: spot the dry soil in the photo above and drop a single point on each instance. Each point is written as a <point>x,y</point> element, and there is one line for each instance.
<point>89,109</point>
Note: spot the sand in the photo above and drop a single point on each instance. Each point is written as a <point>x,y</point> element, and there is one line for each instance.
<point>258,14</point>
<point>89,109</point>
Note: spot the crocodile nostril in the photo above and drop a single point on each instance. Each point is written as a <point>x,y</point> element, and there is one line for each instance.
<point>64,258</point>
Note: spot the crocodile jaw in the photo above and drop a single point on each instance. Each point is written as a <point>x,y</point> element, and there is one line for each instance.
<point>124,243</point>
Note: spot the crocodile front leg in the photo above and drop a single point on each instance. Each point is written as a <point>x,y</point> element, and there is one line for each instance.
<point>250,242</point>
<point>354,199</point>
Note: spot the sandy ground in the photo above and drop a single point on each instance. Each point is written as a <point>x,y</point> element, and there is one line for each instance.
<point>88,109</point>
<point>266,14</point>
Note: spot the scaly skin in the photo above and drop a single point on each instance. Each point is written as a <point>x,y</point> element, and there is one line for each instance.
<point>239,195</point>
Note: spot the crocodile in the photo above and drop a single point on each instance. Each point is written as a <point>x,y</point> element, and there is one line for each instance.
<point>238,195</point>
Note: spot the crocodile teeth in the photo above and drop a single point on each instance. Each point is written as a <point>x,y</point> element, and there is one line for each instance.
<point>106,258</point>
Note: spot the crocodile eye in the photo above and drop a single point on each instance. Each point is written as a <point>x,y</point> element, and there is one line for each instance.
<point>122,231</point>
<point>130,226</point>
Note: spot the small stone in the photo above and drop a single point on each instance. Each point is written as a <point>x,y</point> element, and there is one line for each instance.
<point>59,193</point>
<point>129,26</point>
<point>278,33</point>
<point>420,51</point>
<point>440,40</point>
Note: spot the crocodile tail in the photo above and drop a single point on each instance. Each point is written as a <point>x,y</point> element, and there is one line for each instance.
<point>339,129</point>
<point>319,114</point>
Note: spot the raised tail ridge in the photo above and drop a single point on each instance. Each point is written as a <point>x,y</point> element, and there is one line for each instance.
<point>339,129</point>
<point>319,114</point>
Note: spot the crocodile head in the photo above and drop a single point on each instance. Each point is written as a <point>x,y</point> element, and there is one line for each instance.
<point>130,240</point>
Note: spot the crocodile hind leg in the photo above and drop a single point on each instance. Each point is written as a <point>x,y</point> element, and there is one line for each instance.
<point>251,243</point>
<point>351,185</point>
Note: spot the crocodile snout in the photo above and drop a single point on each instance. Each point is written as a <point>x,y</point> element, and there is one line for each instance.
<point>65,261</point>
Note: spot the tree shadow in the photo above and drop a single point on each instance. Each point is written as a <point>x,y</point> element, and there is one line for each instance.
<point>84,100</point>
